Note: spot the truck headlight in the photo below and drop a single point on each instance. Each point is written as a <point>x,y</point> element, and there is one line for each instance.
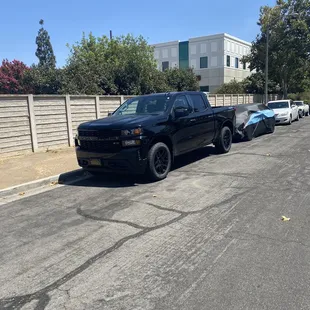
<point>132,132</point>
<point>76,140</point>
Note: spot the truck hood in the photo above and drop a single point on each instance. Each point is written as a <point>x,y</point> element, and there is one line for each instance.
<point>124,121</point>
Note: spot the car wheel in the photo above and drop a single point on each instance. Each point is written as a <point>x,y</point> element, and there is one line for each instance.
<point>290,120</point>
<point>223,143</point>
<point>159,161</point>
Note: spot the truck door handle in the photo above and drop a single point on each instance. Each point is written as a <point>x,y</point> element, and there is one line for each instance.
<point>193,120</point>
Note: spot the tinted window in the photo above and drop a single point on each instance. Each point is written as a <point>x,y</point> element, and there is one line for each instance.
<point>204,88</point>
<point>181,102</point>
<point>165,65</point>
<point>144,105</point>
<point>278,105</point>
<point>228,61</point>
<point>204,62</point>
<point>198,103</point>
<point>236,62</point>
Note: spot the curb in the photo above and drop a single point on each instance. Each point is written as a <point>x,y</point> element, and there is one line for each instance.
<point>63,178</point>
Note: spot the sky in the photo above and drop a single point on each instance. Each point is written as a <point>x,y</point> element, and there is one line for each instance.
<point>157,21</point>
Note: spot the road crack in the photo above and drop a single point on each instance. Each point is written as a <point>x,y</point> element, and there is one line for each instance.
<point>17,302</point>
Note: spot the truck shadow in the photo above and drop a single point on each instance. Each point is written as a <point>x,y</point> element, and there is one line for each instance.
<point>124,180</point>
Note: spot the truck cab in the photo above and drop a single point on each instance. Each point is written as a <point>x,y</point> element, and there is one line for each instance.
<point>147,132</point>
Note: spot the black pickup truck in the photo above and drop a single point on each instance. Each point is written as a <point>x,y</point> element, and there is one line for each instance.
<point>146,133</point>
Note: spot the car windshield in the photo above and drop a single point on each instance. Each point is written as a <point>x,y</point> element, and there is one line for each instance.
<point>154,104</point>
<point>278,105</point>
<point>299,103</point>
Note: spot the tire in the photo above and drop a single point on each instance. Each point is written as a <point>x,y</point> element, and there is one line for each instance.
<point>158,162</point>
<point>223,144</point>
<point>290,121</point>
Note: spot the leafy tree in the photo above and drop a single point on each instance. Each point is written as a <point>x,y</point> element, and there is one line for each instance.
<point>289,41</point>
<point>123,65</point>
<point>181,79</point>
<point>11,77</point>
<point>45,51</point>
<point>44,80</point>
<point>232,87</point>
<point>255,84</point>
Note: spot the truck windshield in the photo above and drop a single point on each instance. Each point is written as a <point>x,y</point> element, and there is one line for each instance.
<point>278,105</point>
<point>157,104</point>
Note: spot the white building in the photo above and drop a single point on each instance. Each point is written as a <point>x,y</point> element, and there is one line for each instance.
<point>216,59</point>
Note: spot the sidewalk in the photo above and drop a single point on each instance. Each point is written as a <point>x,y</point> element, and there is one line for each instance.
<point>25,168</point>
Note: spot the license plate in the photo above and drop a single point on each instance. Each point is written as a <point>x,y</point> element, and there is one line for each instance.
<point>95,162</point>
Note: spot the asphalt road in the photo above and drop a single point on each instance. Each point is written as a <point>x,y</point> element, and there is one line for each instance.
<point>210,236</point>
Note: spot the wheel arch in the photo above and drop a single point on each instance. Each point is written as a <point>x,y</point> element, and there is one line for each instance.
<point>164,139</point>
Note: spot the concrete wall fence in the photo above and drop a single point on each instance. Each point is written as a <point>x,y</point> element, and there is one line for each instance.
<point>38,122</point>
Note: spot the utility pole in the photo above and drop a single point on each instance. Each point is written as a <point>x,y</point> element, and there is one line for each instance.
<point>266,64</point>
<point>110,34</point>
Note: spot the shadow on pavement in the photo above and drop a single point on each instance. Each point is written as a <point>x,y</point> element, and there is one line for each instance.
<point>124,180</point>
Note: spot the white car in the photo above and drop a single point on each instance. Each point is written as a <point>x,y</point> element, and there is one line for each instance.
<point>285,111</point>
<point>303,108</point>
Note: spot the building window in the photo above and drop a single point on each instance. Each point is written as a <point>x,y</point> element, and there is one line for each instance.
<point>236,62</point>
<point>165,65</point>
<point>183,55</point>
<point>204,62</point>
<point>228,61</point>
<point>204,88</point>
<point>244,66</point>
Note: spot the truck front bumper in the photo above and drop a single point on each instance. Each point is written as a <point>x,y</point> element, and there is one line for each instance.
<point>126,161</point>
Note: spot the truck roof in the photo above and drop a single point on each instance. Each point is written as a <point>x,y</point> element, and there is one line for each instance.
<point>174,93</point>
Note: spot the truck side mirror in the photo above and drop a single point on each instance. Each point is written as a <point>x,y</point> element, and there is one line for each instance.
<point>181,112</point>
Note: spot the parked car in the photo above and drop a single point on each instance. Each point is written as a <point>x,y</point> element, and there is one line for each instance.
<point>285,111</point>
<point>146,133</point>
<point>253,120</point>
<point>302,108</point>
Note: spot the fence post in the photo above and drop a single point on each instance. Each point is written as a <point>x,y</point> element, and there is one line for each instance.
<point>122,99</point>
<point>215,100</point>
<point>32,121</point>
<point>243,99</point>
<point>69,120</point>
<point>97,104</point>
<point>224,97</point>
<point>231,99</point>
<point>237,99</point>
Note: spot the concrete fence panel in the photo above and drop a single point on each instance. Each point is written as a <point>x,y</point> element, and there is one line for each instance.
<point>37,122</point>
<point>50,120</point>
<point>109,104</point>
<point>15,134</point>
<point>83,109</point>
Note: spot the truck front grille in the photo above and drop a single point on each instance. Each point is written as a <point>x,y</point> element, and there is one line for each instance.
<point>101,146</point>
<point>105,140</point>
<point>101,134</point>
